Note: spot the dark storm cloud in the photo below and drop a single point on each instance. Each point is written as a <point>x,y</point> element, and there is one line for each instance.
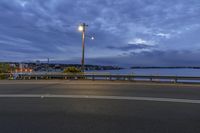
<point>36,29</point>
<point>130,47</point>
<point>153,58</point>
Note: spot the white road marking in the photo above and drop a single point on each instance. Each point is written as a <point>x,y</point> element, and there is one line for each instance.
<point>103,98</point>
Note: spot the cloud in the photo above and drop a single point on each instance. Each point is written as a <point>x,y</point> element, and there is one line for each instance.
<point>167,36</point>
<point>130,47</point>
<point>151,58</point>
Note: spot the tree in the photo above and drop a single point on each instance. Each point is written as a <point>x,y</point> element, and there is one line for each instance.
<point>72,70</point>
<point>5,68</point>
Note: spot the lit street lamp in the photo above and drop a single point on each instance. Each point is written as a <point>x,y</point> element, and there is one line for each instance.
<point>82,29</point>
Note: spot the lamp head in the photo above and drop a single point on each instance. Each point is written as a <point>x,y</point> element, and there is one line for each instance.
<point>80,28</point>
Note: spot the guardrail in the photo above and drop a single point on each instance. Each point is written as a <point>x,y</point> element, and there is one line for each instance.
<point>174,79</point>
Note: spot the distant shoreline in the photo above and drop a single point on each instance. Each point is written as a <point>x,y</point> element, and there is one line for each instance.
<point>165,67</point>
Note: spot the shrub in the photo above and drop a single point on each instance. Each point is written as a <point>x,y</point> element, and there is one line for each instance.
<point>5,68</point>
<point>3,76</point>
<point>72,70</point>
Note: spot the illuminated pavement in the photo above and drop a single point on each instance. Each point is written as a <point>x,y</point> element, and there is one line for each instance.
<point>100,107</point>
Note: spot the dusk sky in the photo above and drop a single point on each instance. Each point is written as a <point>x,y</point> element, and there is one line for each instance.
<point>127,32</point>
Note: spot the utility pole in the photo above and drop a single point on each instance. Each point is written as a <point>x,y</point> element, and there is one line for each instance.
<point>82,28</point>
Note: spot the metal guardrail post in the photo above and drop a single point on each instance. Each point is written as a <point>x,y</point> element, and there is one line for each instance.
<point>93,78</point>
<point>133,79</point>
<point>175,80</point>
<point>129,78</point>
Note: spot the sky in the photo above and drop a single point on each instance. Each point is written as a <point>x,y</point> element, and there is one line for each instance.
<point>127,32</point>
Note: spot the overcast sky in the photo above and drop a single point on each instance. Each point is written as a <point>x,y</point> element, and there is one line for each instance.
<point>127,32</point>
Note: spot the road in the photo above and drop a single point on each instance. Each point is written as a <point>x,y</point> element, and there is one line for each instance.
<point>98,107</point>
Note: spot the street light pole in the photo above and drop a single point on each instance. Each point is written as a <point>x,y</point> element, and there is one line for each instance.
<point>82,28</point>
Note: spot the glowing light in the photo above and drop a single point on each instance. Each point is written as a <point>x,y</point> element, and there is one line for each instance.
<point>80,28</point>
<point>92,38</point>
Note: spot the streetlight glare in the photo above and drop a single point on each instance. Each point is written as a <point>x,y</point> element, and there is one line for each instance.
<point>80,28</point>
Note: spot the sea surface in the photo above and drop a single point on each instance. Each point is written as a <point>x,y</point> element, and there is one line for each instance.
<point>157,72</point>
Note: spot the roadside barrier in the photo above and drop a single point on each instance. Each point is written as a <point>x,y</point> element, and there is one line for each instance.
<point>111,77</point>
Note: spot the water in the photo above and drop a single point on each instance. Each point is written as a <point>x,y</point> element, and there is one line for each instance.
<point>157,72</point>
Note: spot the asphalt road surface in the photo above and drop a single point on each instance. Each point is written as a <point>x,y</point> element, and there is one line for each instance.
<point>98,107</point>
